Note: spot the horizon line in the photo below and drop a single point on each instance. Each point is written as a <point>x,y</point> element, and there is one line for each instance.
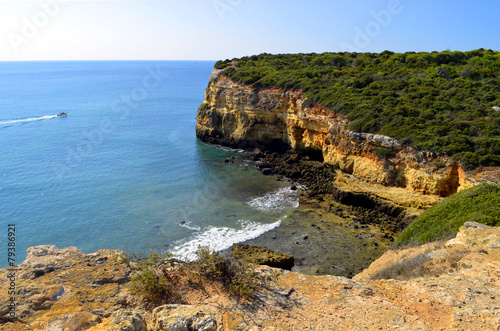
<point>104,60</point>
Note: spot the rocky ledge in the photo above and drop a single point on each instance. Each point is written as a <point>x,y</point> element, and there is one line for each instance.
<point>452,285</point>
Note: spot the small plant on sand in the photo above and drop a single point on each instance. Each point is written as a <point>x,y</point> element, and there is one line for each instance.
<point>158,277</point>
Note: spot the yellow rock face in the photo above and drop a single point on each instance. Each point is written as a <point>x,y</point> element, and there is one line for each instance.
<point>242,116</point>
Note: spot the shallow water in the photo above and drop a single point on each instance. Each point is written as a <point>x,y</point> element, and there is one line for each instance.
<point>326,242</point>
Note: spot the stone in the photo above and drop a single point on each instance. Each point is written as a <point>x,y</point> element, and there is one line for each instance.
<point>184,318</point>
<point>263,256</point>
<point>126,320</point>
<point>73,322</point>
<point>267,171</point>
<point>476,236</point>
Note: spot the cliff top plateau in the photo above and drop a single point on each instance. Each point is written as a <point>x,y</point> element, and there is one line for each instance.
<point>453,285</point>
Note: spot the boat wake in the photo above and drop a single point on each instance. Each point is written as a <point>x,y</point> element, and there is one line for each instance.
<point>20,121</point>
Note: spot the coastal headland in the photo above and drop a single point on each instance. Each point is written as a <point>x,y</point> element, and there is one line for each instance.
<point>363,187</point>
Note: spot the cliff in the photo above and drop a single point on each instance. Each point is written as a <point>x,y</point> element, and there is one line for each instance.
<point>451,286</point>
<point>244,116</point>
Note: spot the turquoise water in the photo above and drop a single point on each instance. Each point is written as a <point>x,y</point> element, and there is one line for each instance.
<point>124,169</point>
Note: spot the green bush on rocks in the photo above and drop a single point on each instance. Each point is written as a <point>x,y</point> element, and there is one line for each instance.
<point>479,204</point>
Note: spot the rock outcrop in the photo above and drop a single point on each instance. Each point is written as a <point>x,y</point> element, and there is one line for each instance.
<point>184,317</point>
<point>243,116</point>
<point>64,289</point>
<point>438,286</point>
<point>262,256</point>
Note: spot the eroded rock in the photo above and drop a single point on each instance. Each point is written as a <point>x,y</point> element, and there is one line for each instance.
<point>262,256</point>
<point>184,318</point>
<point>126,320</point>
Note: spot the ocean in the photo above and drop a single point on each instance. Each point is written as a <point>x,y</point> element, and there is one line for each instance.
<point>124,169</point>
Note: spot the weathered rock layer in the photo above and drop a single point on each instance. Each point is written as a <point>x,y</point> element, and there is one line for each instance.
<point>244,116</point>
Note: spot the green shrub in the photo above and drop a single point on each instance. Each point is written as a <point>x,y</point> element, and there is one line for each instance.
<point>150,286</point>
<point>237,275</point>
<point>442,221</point>
<point>208,263</point>
<point>148,281</point>
<point>151,280</point>
<point>383,152</point>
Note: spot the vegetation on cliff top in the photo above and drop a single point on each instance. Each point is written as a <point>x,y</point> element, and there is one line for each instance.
<point>442,221</point>
<point>440,101</point>
<point>156,280</point>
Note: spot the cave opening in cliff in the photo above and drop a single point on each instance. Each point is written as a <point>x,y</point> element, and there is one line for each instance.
<point>313,154</point>
<point>272,145</point>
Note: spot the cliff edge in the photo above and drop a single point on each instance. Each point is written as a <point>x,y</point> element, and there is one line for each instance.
<point>452,285</point>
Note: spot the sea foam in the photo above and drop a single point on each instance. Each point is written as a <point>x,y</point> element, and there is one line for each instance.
<point>220,238</point>
<point>276,201</point>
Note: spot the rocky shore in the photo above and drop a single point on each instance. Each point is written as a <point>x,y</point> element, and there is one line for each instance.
<point>358,219</point>
<point>452,285</point>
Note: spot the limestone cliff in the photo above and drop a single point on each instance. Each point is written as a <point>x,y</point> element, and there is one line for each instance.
<point>244,116</point>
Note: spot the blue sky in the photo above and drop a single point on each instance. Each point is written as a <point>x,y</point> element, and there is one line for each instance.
<point>220,29</point>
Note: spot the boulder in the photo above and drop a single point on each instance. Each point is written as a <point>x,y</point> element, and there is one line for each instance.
<point>476,236</point>
<point>184,318</point>
<point>126,320</point>
<point>73,322</point>
<point>263,256</point>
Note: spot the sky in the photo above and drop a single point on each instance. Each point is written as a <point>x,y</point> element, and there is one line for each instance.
<point>225,29</point>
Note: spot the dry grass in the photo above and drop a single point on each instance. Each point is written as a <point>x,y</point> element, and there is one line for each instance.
<point>427,260</point>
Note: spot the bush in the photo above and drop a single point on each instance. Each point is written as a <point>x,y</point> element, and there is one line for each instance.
<point>442,221</point>
<point>148,285</point>
<point>237,275</point>
<point>149,282</point>
<point>153,282</point>
<point>383,152</point>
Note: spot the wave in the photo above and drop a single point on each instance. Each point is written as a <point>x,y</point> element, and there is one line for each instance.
<point>220,238</point>
<point>277,201</point>
<point>6,123</point>
<point>229,149</point>
<point>188,225</point>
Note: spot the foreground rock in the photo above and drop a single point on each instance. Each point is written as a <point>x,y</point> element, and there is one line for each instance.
<point>58,289</point>
<point>452,285</point>
<point>184,317</point>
